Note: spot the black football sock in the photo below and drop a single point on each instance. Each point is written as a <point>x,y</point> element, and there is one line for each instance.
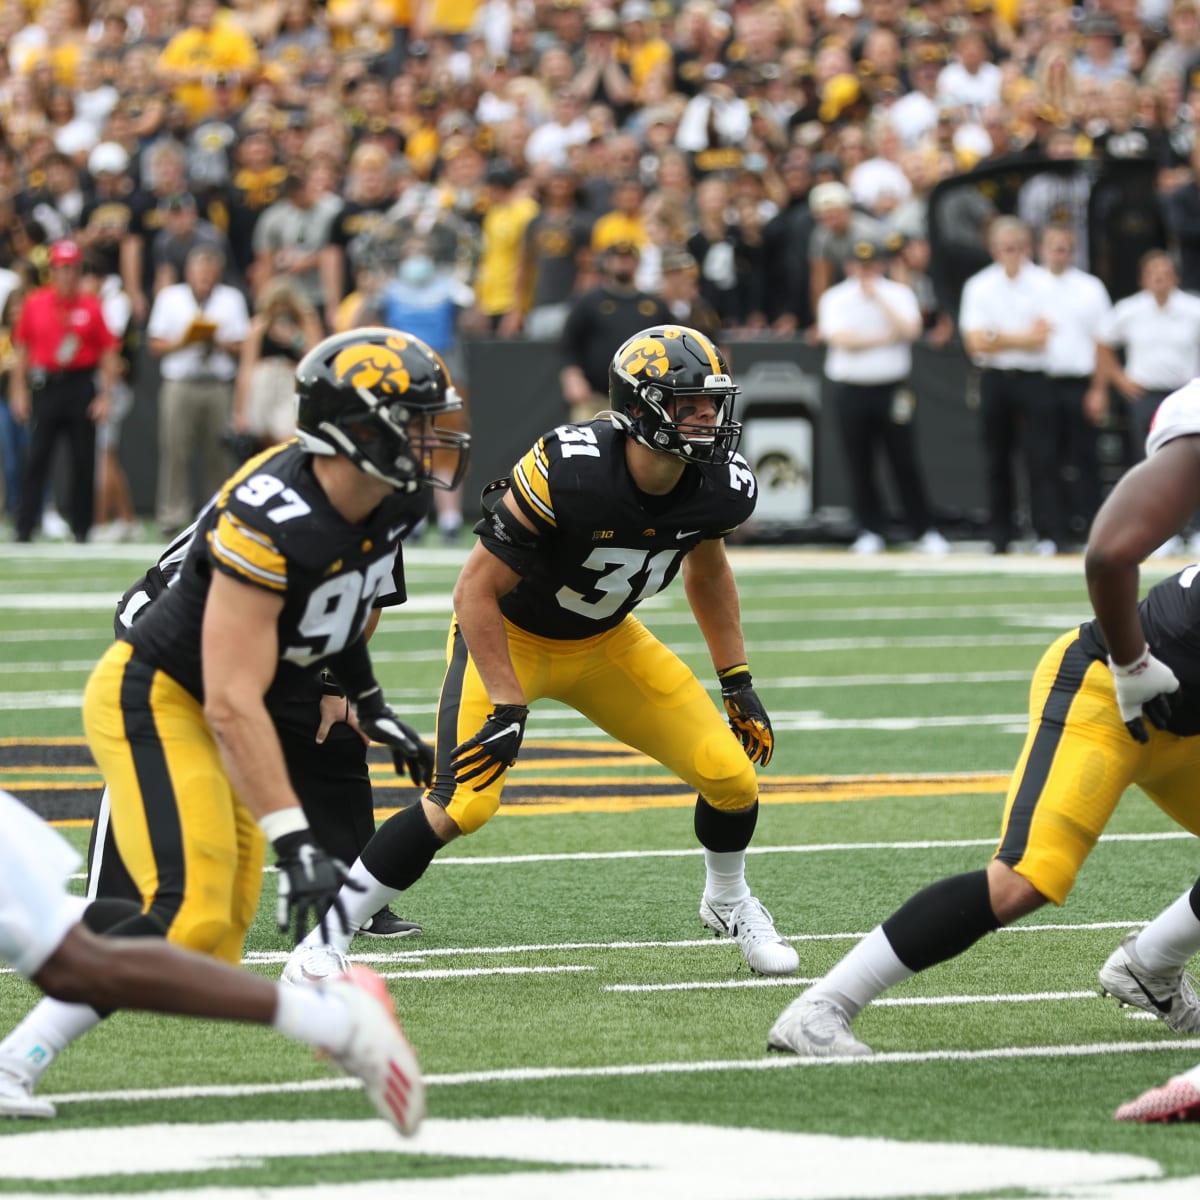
<point>941,921</point>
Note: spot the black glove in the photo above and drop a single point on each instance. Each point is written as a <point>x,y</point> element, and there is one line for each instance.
<point>493,749</point>
<point>747,717</point>
<point>380,724</point>
<point>309,882</point>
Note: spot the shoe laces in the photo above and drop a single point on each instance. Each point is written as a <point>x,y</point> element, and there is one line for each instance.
<point>750,922</point>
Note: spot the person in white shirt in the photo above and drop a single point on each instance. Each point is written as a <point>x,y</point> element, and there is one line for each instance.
<point>1006,318</point>
<point>196,328</point>
<point>972,80</point>
<point>568,127</point>
<point>869,323</point>
<point>1081,306</point>
<point>1159,330</point>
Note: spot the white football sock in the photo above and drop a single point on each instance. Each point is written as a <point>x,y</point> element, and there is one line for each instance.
<point>313,1016</point>
<point>46,1032</point>
<point>1171,938</point>
<point>360,908</point>
<point>866,972</point>
<point>726,876</point>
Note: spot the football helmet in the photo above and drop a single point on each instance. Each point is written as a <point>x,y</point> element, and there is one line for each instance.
<point>374,395</point>
<point>649,379</point>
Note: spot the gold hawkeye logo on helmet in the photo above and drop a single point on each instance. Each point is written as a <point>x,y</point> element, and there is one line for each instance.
<point>374,367</point>
<point>646,356</point>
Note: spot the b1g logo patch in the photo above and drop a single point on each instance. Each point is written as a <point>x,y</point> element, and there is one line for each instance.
<point>377,368</point>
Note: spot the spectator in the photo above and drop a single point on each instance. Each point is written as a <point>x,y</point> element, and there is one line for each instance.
<point>182,232</point>
<point>604,317</point>
<point>602,78</point>
<point>283,329</point>
<point>868,323</point>
<point>1006,320</point>
<point>290,235</point>
<point>1081,306</point>
<point>554,241</point>
<point>257,183</point>
<point>1159,330</point>
<point>1058,197</point>
<point>14,435</point>
<point>731,272</point>
<point>971,80</point>
<point>204,55</point>
<point>1102,57</point>
<point>680,292</point>
<point>785,248</point>
<point>568,127</point>
<point>498,307</point>
<point>106,215</point>
<point>196,328</point>
<point>838,228</point>
<point>62,345</point>
<point>1181,209</point>
<point>165,178</point>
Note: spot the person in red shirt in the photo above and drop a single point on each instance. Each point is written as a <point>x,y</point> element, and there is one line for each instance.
<point>62,344</point>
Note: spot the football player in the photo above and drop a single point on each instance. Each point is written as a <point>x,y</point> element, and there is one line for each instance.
<point>278,583</point>
<point>1113,703</point>
<point>45,935</point>
<point>595,518</point>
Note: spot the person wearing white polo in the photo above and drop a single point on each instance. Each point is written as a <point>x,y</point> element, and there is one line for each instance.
<point>197,328</point>
<point>1159,330</point>
<point>869,323</point>
<point>1081,306</point>
<point>1006,318</point>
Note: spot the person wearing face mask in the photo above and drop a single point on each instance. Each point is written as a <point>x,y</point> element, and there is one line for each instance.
<point>603,317</point>
<point>428,300</point>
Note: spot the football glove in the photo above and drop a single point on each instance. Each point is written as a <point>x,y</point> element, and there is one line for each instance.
<point>747,717</point>
<point>380,724</point>
<point>1146,687</point>
<point>493,749</point>
<point>309,883</point>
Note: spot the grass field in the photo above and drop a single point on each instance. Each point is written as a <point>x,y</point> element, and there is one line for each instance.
<point>582,1037</point>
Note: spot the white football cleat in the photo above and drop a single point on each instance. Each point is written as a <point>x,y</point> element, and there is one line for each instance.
<point>1176,1100</point>
<point>749,923</point>
<point>307,965</point>
<point>1169,995</point>
<point>815,1029</point>
<point>378,1052</point>
<point>17,1098</point>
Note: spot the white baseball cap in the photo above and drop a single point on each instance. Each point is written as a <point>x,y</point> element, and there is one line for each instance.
<point>108,158</point>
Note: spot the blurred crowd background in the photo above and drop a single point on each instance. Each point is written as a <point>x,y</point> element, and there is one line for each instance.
<point>473,168</point>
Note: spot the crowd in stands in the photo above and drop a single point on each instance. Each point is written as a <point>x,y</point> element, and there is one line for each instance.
<point>466,164</point>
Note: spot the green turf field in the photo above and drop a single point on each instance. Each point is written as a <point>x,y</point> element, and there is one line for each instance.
<point>582,1037</point>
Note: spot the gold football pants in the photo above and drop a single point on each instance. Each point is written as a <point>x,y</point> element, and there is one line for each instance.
<point>1077,761</point>
<point>192,849</point>
<point>626,682</point>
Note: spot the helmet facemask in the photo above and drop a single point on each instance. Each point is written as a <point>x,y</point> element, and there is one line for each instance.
<point>675,433</point>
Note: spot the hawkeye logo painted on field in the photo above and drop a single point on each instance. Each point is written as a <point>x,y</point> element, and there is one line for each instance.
<point>378,368</point>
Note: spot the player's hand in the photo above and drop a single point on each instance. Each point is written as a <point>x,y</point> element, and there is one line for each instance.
<point>1145,687</point>
<point>493,749</point>
<point>309,883</point>
<point>336,710</point>
<point>380,724</point>
<point>747,717</point>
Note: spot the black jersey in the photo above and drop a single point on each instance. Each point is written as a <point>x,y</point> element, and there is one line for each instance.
<point>272,527</point>
<point>602,545</point>
<point>1170,616</point>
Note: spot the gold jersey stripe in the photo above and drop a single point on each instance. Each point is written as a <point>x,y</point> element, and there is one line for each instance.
<point>246,555</point>
<point>532,479</point>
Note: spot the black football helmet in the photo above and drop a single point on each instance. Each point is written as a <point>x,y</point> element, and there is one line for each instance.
<point>374,395</point>
<point>669,363</point>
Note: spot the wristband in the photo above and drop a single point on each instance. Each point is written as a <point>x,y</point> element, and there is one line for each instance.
<point>1136,667</point>
<point>729,673</point>
<point>283,821</point>
<point>330,685</point>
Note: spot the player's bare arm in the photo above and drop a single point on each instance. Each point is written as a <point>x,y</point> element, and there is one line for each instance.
<point>1148,505</point>
<point>484,579</point>
<point>240,656</point>
<point>712,594</point>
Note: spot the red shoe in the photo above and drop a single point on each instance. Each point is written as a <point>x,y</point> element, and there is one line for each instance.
<point>1177,1100</point>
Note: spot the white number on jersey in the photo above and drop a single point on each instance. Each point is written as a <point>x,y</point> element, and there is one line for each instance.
<point>617,584</point>
<point>336,612</point>
<point>285,502</point>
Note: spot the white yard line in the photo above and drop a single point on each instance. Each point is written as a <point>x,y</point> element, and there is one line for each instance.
<point>470,972</point>
<point>627,1070</point>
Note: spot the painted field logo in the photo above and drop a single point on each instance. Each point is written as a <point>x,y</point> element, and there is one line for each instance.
<point>598,1160</point>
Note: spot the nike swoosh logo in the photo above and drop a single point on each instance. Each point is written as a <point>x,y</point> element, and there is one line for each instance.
<point>683,533</point>
<point>393,534</point>
<point>1163,1006</point>
<point>513,728</point>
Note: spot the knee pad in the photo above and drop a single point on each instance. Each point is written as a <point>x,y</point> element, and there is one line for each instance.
<point>726,777</point>
<point>473,810</point>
